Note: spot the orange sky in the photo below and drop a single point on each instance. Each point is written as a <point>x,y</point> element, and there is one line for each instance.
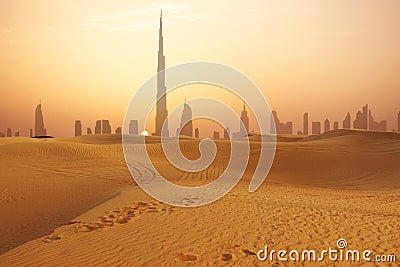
<point>85,59</point>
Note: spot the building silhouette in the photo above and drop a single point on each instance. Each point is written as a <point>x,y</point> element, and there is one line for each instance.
<point>16,134</point>
<point>316,127</point>
<point>398,122</point>
<point>186,129</point>
<point>347,121</point>
<point>244,126</point>
<point>78,128</point>
<point>102,127</point>
<point>88,130</point>
<point>227,131</point>
<point>327,125</point>
<point>361,121</point>
<point>133,127</point>
<point>375,125</point>
<point>9,133</point>
<point>216,135</point>
<point>39,124</point>
<point>335,125</point>
<point>161,108</point>
<point>2,134</point>
<point>97,128</point>
<point>118,130</point>
<point>282,128</point>
<point>196,133</point>
<point>105,127</point>
<point>305,123</point>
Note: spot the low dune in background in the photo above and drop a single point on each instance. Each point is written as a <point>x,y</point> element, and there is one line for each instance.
<point>72,201</point>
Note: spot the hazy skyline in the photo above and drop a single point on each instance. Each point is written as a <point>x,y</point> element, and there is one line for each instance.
<point>86,59</point>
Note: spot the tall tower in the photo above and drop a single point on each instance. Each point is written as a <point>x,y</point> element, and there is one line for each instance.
<point>305,123</point>
<point>245,120</point>
<point>78,128</point>
<point>347,121</point>
<point>398,122</point>
<point>186,129</point>
<point>161,108</point>
<point>39,125</point>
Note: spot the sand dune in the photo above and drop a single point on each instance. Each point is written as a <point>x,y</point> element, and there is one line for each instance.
<point>71,201</point>
<point>45,183</point>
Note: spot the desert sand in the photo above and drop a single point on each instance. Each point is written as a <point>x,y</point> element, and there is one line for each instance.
<point>72,202</point>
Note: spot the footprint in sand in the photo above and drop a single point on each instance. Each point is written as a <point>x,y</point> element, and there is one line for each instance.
<point>114,217</point>
<point>51,238</point>
<point>249,252</point>
<point>226,257</point>
<point>121,216</point>
<point>186,257</point>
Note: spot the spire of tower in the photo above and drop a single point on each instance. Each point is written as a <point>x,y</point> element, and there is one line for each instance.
<point>161,21</point>
<point>162,112</point>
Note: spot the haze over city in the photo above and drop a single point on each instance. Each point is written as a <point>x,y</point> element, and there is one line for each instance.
<point>85,61</point>
<point>92,173</point>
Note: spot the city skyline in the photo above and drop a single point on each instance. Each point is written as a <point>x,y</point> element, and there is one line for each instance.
<point>362,120</point>
<point>94,59</point>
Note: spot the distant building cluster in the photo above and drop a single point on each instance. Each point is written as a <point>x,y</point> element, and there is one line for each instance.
<point>9,133</point>
<point>104,127</point>
<point>363,121</point>
<point>282,128</point>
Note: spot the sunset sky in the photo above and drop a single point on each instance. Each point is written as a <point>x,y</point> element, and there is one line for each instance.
<point>85,59</point>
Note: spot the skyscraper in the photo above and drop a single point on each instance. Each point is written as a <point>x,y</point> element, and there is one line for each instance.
<point>105,127</point>
<point>161,109</point>
<point>347,121</point>
<point>376,125</point>
<point>39,124</point>
<point>316,127</point>
<point>186,129</point>
<point>305,123</point>
<point>281,128</point>
<point>398,122</point>
<point>133,127</point>
<point>78,128</point>
<point>327,125</point>
<point>196,133</point>
<point>244,126</point>
<point>227,131</point>
<point>361,121</point>
<point>97,128</point>
<point>335,125</point>
<point>9,133</point>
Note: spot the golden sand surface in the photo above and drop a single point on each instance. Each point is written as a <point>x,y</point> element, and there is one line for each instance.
<point>72,202</point>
